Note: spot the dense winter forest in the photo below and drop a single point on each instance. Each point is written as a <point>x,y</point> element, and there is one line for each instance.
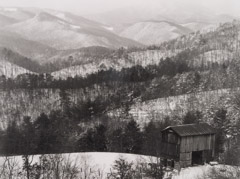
<point>85,87</point>
<point>112,109</point>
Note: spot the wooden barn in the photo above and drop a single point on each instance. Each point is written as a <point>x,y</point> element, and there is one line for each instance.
<point>189,144</point>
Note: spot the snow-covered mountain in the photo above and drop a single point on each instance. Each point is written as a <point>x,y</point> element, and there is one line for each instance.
<point>23,30</point>
<point>123,27</point>
<point>154,32</point>
<point>63,35</point>
<point>27,48</point>
<point>4,20</point>
<point>18,14</point>
<point>199,26</point>
<point>177,12</point>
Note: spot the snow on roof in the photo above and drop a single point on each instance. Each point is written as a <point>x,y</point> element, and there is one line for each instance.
<point>192,129</point>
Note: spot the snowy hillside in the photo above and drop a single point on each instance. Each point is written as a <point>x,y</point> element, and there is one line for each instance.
<point>206,102</point>
<point>11,70</point>
<point>143,58</point>
<point>18,14</point>
<point>100,165</point>
<point>45,100</point>
<point>23,30</point>
<point>4,20</point>
<point>207,171</point>
<point>97,162</point>
<point>154,32</point>
<point>75,19</point>
<point>38,101</point>
<point>13,103</point>
<point>91,68</point>
<point>27,48</point>
<point>177,12</point>
<point>64,35</point>
<point>199,26</point>
<point>213,56</point>
<point>201,52</point>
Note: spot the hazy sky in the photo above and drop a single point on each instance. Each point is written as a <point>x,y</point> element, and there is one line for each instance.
<point>95,6</point>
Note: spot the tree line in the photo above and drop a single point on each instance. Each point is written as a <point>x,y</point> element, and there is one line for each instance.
<point>167,67</point>
<point>60,132</point>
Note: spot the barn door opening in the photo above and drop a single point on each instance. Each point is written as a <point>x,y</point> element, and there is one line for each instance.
<point>197,158</point>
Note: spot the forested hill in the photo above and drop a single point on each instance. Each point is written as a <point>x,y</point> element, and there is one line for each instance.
<point>214,46</point>
<point>209,47</point>
<point>194,63</point>
<point>95,91</point>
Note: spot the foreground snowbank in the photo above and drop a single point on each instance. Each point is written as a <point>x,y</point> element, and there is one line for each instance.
<point>208,172</point>
<point>94,162</point>
<point>99,165</point>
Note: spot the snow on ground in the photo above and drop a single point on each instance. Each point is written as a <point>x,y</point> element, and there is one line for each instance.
<point>200,26</point>
<point>60,15</point>
<point>91,68</point>
<point>208,172</point>
<point>214,56</point>
<point>10,9</point>
<point>179,105</point>
<point>103,162</point>
<point>75,27</point>
<point>97,161</point>
<point>192,172</point>
<point>152,32</point>
<point>10,70</point>
<point>108,28</point>
<point>135,58</point>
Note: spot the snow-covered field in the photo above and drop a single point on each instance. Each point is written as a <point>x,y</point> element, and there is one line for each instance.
<point>102,163</point>
<point>94,162</point>
<point>208,172</point>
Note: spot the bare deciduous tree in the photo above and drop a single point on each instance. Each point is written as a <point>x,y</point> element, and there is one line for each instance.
<point>10,168</point>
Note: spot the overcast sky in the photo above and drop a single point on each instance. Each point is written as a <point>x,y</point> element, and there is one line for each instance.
<point>96,6</point>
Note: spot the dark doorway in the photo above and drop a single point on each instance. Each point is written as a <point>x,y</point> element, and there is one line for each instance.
<point>197,158</point>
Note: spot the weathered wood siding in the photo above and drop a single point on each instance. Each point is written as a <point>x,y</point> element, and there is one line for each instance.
<point>185,159</point>
<point>170,150</point>
<point>186,163</point>
<point>186,156</point>
<point>197,143</point>
<point>170,145</point>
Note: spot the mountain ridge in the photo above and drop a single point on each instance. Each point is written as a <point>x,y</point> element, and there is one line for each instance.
<point>155,32</point>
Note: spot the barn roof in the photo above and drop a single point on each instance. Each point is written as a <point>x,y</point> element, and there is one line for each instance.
<point>192,129</point>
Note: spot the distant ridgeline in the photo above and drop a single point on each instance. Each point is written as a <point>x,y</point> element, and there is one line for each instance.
<point>189,64</point>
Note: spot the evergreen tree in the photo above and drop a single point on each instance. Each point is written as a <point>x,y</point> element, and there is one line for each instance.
<point>100,139</point>
<point>28,137</point>
<point>45,134</point>
<point>151,139</point>
<point>42,125</point>
<point>132,138</point>
<point>123,169</point>
<point>116,138</point>
<point>86,142</point>
<point>65,101</point>
<point>12,139</point>
<point>221,124</point>
<point>192,117</point>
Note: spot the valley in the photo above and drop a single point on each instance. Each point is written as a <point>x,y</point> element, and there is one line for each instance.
<point>108,83</point>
